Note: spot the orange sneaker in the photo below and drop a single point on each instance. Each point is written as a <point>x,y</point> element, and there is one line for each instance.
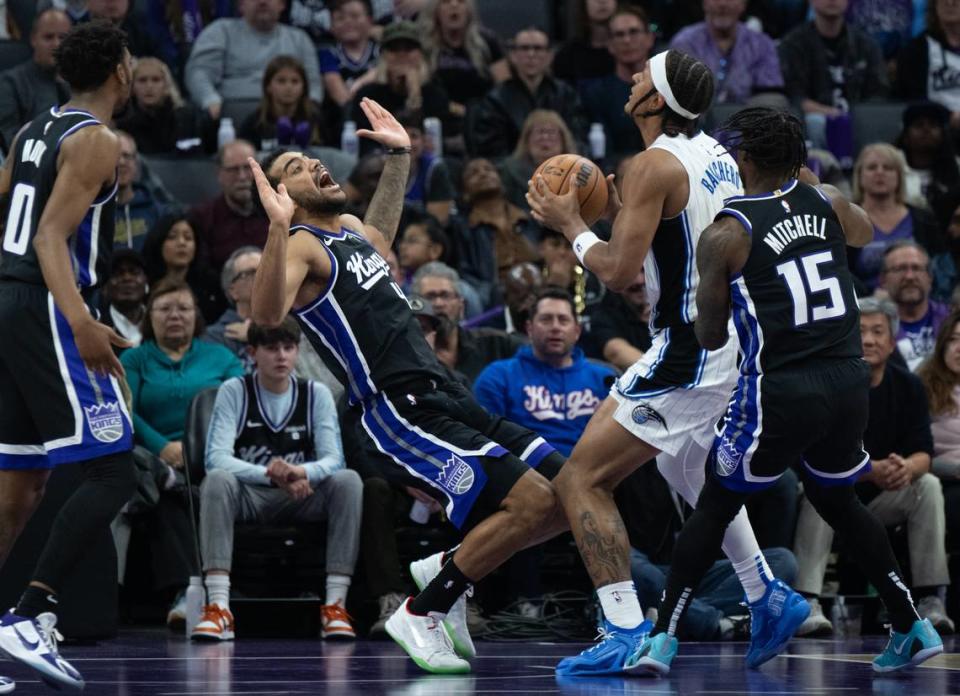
<point>216,623</point>
<point>335,622</point>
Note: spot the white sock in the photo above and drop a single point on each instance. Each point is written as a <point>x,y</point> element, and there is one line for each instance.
<point>218,590</point>
<point>337,588</point>
<point>755,575</point>
<point>620,605</point>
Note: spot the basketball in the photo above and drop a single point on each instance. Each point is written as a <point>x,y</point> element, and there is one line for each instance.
<point>559,171</point>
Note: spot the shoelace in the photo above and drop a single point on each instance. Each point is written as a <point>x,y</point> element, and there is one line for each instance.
<point>438,637</point>
<point>51,636</point>
<point>333,612</point>
<point>602,636</point>
<point>216,614</point>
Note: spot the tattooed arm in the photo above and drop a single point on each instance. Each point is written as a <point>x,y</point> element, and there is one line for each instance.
<point>383,215</point>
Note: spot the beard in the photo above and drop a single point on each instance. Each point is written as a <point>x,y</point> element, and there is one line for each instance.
<point>315,204</point>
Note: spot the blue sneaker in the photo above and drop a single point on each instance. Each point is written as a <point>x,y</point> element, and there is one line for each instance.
<point>33,642</point>
<point>774,618</point>
<point>654,657</point>
<point>908,649</point>
<point>610,655</point>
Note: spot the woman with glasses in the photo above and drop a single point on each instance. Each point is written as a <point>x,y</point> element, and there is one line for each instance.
<point>164,373</point>
<point>236,281</point>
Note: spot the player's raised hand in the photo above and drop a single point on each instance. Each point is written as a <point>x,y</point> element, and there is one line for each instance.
<point>95,343</point>
<point>386,129</point>
<point>277,203</point>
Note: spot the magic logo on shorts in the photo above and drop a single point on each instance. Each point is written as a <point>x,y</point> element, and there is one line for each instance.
<point>105,421</point>
<point>456,476</point>
<point>728,457</point>
<point>645,412</point>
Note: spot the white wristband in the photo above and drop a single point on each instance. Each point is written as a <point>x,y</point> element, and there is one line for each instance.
<point>583,242</point>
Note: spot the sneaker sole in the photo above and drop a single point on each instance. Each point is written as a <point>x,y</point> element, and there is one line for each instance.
<point>648,667</point>
<point>8,688</point>
<point>212,637</point>
<point>917,659</point>
<point>462,649</point>
<point>795,618</point>
<point>52,676</point>
<point>426,667</point>
<point>339,635</point>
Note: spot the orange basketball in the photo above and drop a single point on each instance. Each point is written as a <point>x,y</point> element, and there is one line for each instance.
<point>562,170</point>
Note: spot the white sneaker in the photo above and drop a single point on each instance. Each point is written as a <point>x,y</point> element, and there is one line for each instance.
<point>425,570</point>
<point>34,643</point>
<point>426,641</point>
<point>816,624</point>
<point>177,616</point>
<point>7,685</point>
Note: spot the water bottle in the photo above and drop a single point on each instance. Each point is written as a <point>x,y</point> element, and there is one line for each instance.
<point>433,133</point>
<point>420,512</point>
<point>598,142</point>
<point>838,617</point>
<point>195,599</point>
<point>349,142</point>
<point>227,133</point>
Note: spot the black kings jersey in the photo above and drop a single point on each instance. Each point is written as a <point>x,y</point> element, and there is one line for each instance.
<point>794,299</point>
<point>32,180</point>
<point>361,323</point>
<point>259,439</point>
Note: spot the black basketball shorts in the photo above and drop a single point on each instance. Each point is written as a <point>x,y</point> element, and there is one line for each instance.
<point>53,410</point>
<point>439,439</point>
<point>812,418</point>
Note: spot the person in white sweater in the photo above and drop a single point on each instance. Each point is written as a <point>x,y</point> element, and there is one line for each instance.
<point>229,56</point>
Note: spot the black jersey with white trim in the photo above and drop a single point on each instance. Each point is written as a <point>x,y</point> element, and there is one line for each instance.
<point>32,180</point>
<point>794,299</point>
<point>361,323</point>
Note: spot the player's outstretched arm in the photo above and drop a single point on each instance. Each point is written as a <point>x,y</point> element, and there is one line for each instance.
<point>722,251</point>
<point>383,213</point>
<point>88,162</point>
<point>283,266</point>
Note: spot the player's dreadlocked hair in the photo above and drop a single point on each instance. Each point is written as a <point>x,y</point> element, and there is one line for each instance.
<point>89,54</point>
<point>692,85</point>
<point>772,138</point>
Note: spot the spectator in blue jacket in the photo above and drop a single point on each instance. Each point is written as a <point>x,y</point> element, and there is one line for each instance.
<point>548,386</point>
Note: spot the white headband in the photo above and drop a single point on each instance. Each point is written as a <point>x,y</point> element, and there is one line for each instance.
<point>658,72</point>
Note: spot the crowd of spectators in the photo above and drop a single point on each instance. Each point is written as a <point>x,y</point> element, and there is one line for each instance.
<point>509,311</point>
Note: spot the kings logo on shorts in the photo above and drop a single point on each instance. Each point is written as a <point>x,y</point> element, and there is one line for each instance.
<point>456,476</point>
<point>105,421</point>
<point>728,457</point>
